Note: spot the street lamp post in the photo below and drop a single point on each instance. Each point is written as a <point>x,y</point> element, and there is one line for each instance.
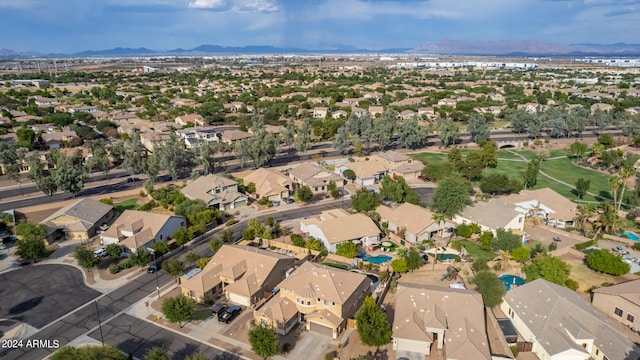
<point>156,272</point>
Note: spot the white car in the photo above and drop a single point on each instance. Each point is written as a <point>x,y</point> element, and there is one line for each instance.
<point>102,252</point>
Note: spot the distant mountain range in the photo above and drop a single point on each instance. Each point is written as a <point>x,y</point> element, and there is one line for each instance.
<point>444,47</point>
<point>525,48</point>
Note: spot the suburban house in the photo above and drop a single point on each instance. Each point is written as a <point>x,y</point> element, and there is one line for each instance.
<point>150,140</point>
<point>546,204</point>
<point>314,176</point>
<point>320,112</point>
<point>620,301</point>
<point>217,192</point>
<point>319,296</point>
<point>337,226</point>
<point>414,221</point>
<point>241,273</point>
<point>492,215</point>
<point>408,170</point>
<point>55,140</point>
<point>193,137</point>
<point>393,159</point>
<point>43,101</point>
<point>271,184</point>
<point>195,119</point>
<point>367,172</point>
<point>376,110</point>
<point>428,317</point>
<point>560,324</point>
<point>140,229</point>
<point>79,220</point>
<point>231,136</point>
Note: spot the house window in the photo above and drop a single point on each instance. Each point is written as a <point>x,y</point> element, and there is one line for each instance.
<point>597,352</point>
<point>630,318</point>
<point>618,311</point>
<point>308,302</point>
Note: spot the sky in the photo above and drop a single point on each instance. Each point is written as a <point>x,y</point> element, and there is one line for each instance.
<point>69,26</point>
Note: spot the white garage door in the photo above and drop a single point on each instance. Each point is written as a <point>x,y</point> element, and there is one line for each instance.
<point>321,329</point>
<point>238,299</point>
<point>412,346</point>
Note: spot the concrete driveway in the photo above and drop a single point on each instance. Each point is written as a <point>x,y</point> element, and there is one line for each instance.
<point>311,345</point>
<point>39,294</point>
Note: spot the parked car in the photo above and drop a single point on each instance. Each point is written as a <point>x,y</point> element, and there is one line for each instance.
<point>102,252</point>
<point>229,314</point>
<point>133,179</point>
<point>288,200</point>
<point>153,268</point>
<point>423,178</point>
<point>557,239</point>
<point>218,310</point>
<point>275,203</point>
<point>372,191</point>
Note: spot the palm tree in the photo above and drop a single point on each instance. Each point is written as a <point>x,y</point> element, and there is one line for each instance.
<point>614,183</point>
<point>626,172</point>
<point>585,213</point>
<point>439,218</point>
<point>608,219</point>
<point>505,259</point>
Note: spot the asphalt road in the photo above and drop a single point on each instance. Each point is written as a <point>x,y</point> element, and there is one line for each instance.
<point>38,295</point>
<point>84,320</point>
<point>136,336</point>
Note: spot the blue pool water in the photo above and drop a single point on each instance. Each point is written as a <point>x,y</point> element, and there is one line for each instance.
<point>442,257</point>
<point>510,280</point>
<point>374,259</point>
<point>629,235</point>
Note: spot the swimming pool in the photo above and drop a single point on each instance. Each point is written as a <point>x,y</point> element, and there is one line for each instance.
<point>629,235</point>
<point>380,259</point>
<point>442,257</point>
<point>510,280</point>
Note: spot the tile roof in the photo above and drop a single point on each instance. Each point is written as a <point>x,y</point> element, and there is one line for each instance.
<point>494,213</point>
<point>555,205</point>
<point>87,211</point>
<point>326,282</point>
<point>314,175</point>
<point>419,307</point>
<point>415,219</point>
<point>551,311</point>
<point>339,226</point>
<point>629,290</point>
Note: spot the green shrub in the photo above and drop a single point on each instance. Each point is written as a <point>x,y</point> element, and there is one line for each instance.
<point>148,206</point>
<point>572,284</point>
<point>114,268</point>
<point>125,264</point>
<point>584,245</point>
<point>232,222</point>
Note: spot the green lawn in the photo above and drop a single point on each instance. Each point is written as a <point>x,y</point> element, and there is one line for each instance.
<point>202,314</point>
<point>429,157</point>
<point>474,250</point>
<point>131,204</point>
<point>563,169</point>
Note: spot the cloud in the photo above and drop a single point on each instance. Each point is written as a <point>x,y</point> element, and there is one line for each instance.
<point>263,6</point>
<point>619,12</point>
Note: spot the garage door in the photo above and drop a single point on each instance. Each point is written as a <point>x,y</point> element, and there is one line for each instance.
<point>321,329</point>
<point>238,299</point>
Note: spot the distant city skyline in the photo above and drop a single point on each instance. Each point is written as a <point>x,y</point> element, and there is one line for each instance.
<point>69,26</point>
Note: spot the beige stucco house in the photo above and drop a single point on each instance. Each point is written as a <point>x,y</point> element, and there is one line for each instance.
<point>428,317</point>
<point>319,296</point>
<point>415,221</point>
<point>337,226</point>
<point>216,192</point>
<point>139,229</point>
<point>79,220</point>
<point>241,273</point>
<point>315,177</point>
<point>270,183</point>
<point>620,301</point>
<point>492,215</point>
<point>561,325</point>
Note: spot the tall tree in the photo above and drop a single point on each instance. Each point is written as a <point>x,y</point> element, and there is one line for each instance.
<point>303,136</point>
<point>578,149</point>
<point>478,128</point>
<point>342,143</point>
<point>290,131</point>
<point>549,268</point>
<point>451,195</point>
<point>582,187</point>
<point>440,218</point>
<point>492,289</point>
<point>448,132</point>
<point>264,340</point>
<point>531,174</point>
<point>411,134</point>
<point>373,326</point>
<point>383,128</point>
<point>134,154</point>
<point>206,157</point>
<point>173,156</point>
<point>626,172</point>
<point>69,175</point>
<point>179,309</point>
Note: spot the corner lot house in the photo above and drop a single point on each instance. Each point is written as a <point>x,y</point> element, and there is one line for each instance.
<point>429,317</point>
<point>270,183</point>
<point>415,221</point>
<point>241,273</point>
<point>563,326</point>
<point>620,301</point>
<point>492,215</point>
<point>318,296</point>
<point>216,192</point>
<point>314,176</point>
<point>546,204</point>
<point>337,226</point>
<point>367,172</point>
<point>78,221</point>
<point>139,229</point>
